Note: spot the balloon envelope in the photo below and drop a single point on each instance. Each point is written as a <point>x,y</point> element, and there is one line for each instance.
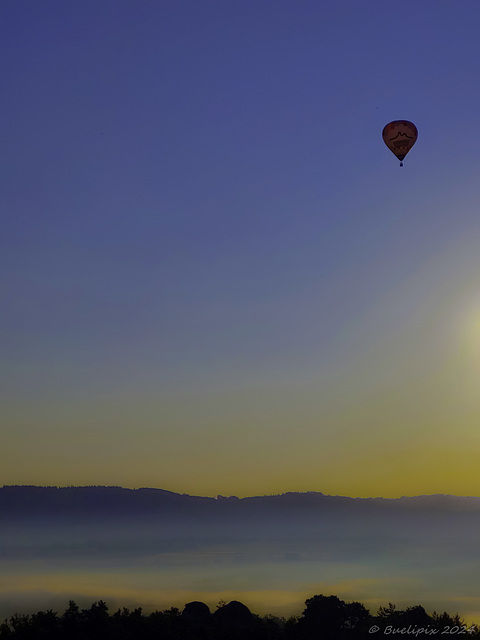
<point>400,136</point>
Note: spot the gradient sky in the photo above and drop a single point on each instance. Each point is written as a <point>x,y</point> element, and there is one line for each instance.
<point>215,276</point>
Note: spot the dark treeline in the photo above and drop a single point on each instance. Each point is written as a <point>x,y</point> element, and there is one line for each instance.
<point>324,618</point>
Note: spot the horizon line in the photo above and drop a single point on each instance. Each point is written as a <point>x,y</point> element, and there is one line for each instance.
<point>221,496</point>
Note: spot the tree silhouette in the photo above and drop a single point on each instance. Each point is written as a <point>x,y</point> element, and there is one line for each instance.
<point>324,618</point>
<point>235,620</point>
<point>329,618</point>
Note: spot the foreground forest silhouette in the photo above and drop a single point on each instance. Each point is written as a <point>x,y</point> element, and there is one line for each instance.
<point>324,618</point>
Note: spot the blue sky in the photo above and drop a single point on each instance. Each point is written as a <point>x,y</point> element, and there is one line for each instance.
<point>216,277</point>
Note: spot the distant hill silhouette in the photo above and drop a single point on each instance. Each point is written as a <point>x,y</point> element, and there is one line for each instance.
<point>98,501</point>
<point>112,524</point>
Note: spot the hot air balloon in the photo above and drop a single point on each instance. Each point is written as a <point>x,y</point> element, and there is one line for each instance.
<point>400,136</point>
